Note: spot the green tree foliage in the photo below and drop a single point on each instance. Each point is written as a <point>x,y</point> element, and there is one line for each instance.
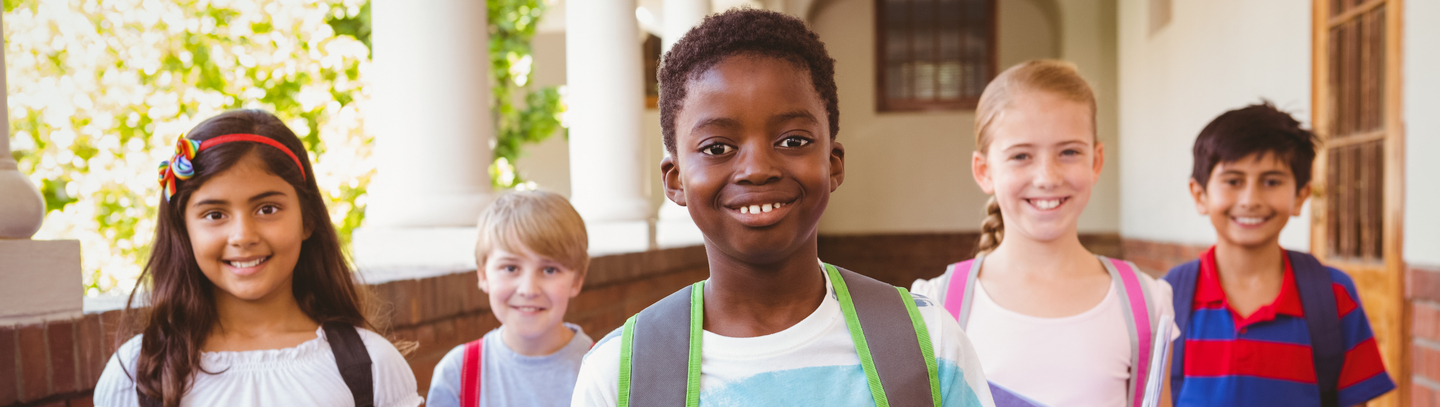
<point>512,26</point>
<point>100,89</point>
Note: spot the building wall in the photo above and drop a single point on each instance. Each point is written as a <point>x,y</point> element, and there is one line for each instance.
<point>1422,187</point>
<point>1213,56</point>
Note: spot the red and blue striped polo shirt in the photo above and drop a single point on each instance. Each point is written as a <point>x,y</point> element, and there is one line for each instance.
<point>1264,359</point>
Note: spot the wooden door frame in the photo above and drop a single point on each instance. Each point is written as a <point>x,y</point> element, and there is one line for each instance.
<point>1390,283</point>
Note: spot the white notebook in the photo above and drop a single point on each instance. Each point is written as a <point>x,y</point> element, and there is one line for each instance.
<point>1155,381</point>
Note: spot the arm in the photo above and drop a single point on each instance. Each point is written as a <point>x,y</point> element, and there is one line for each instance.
<point>445,382</point>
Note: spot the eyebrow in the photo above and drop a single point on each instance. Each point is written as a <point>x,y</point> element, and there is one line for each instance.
<point>794,114</point>
<point>722,122</point>
<point>257,197</point>
<point>1031,145</point>
<point>1277,173</point>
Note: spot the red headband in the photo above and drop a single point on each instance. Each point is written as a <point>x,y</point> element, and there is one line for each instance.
<point>179,167</point>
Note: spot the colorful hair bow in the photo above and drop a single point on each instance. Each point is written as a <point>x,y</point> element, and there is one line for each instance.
<point>180,166</point>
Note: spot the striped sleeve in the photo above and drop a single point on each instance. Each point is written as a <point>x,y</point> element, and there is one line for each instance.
<point>1363,376</point>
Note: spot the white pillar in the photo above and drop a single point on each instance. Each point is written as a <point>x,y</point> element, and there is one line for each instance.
<point>674,227</point>
<point>433,134</point>
<point>42,277</point>
<point>605,100</point>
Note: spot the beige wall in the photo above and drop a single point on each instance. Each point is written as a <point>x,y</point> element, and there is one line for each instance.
<point>1422,132</point>
<point>1214,56</point>
<point>910,172</point>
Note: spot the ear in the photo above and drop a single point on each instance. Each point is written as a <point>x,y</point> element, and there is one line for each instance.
<point>1197,192</point>
<point>484,283</point>
<point>981,169</point>
<point>1300,197</point>
<point>1099,158</point>
<point>670,179</point>
<point>579,283</point>
<point>837,165</point>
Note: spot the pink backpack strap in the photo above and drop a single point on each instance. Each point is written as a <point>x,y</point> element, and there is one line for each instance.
<point>960,288</point>
<point>1138,321</point>
<point>470,374</point>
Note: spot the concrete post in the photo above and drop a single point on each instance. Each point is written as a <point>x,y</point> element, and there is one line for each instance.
<point>674,227</point>
<point>433,134</point>
<point>605,102</point>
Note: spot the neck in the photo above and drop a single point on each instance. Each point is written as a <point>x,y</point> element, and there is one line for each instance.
<point>547,343</point>
<point>1058,257</point>
<point>1237,262</point>
<point>275,313</point>
<point>747,299</point>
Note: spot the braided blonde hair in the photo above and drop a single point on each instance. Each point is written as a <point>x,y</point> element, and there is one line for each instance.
<point>1058,78</point>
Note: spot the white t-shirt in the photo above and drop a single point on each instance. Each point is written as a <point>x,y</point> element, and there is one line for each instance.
<point>1080,360</point>
<point>812,363</point>
<point>305,375</point>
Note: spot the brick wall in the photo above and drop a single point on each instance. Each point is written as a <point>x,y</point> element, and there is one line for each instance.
<point>1423,291</point>
<point>900,259</point>
<point>56,363</point>
<point>1156,258</point>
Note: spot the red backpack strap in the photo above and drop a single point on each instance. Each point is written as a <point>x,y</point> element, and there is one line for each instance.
<point>1138,321</point>
<point>470,374</point>
<point>959,289</point>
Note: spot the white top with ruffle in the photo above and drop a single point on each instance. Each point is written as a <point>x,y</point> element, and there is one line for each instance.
<point>305,375</point>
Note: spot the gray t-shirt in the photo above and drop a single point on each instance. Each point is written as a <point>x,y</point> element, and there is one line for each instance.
<point>511,379</point>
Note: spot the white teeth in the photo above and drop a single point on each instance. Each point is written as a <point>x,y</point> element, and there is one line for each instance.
<point>765,208</point>
<point>1249,221</point>
<point>744,209</point>
<point>754,208</point>
<point>248,264</point>
<point>1045,204</point>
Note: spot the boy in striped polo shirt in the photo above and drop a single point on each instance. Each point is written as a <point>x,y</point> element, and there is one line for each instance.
<point>1265,327</point>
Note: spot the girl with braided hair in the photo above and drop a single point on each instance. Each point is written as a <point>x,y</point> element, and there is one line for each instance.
<point>1053,322</point>
<point>249,300</point>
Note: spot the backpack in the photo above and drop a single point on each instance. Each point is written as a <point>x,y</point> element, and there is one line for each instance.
<point>660,347</point>
<point>470,373</point>
<point>1313,282</point>
<point>958,293</point>
<point>351,357</point>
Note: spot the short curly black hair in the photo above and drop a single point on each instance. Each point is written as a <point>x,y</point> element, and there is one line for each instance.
<point>744,31</point>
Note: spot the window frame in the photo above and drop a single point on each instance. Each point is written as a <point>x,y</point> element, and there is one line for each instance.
<point>885,105</point>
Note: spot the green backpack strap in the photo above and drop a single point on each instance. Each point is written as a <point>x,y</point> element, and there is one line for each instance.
<point>891,338</point>
<point>662,330</point>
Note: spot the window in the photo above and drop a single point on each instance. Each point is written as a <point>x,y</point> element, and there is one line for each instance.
<point>933,54</point>
<point>650,51</point>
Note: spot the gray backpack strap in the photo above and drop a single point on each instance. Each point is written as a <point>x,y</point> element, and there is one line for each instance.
<point>658,373</point>
<point>893,342</point>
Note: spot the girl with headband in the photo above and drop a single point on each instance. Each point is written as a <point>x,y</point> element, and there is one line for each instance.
<point>250,300</point>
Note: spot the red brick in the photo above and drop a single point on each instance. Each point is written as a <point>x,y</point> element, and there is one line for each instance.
<point>61,335</point>
<point>1424,284</point>
<point>9,382</point>
<point>56,403</point>
<point>82,401</point>
<point>1427,362</point>
<point>34,374</point>
<point>1421,396</point>
<point>110,322</point>
<point>90,349</point>
<point>1426,321</point>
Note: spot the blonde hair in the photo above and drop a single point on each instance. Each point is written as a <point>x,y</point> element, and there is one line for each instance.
<point>541,221</point>
<point>1058,78</point>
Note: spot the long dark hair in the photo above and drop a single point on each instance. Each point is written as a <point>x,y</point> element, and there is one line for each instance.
<point>181,299</point>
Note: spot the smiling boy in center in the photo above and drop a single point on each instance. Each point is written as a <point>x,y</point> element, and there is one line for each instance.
<point>749,112</point>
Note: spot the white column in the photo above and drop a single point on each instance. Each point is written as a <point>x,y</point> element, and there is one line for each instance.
<point>604,103</point>
<point>674,227</point>
<point>433,134</point>
<point>42,277</point>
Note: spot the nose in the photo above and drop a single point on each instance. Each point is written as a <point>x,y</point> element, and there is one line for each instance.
<point>757,163</point>
<point>528,284</point>
<point>243,233</point>
<point>1249,196</point>
<point>1048,174</point>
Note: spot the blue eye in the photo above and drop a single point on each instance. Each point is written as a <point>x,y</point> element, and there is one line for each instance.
<point>717,149</point>
<point>1070,152</point>
<point>1021,156</point>
<point>552,270</point>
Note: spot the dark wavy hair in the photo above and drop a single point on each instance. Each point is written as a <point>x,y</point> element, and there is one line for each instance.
<point>181,299</point>
<point>1256,129</point>
<point>744,31</point>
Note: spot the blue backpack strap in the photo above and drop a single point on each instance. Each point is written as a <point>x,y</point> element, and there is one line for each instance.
<point>1322,316</point>
<point>1182,279</point>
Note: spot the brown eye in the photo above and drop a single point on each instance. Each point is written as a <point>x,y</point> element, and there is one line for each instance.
<point>717,149</point>
<point>794,141</point>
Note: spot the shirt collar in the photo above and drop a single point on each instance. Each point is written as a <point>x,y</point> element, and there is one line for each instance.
<point>1209,290</point>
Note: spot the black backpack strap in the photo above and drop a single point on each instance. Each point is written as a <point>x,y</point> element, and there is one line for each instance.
<point>1322,316</point>
<point>353,359</point>
<point>1182,279</point>
<point>890,334</point>
<point>658,373</point>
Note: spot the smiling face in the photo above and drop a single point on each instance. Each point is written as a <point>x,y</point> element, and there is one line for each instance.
<point>529,293</point>
<point>1041,164</point>
<point>245,227</point>
<point>1250,200</point>
<point>754,162</point>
